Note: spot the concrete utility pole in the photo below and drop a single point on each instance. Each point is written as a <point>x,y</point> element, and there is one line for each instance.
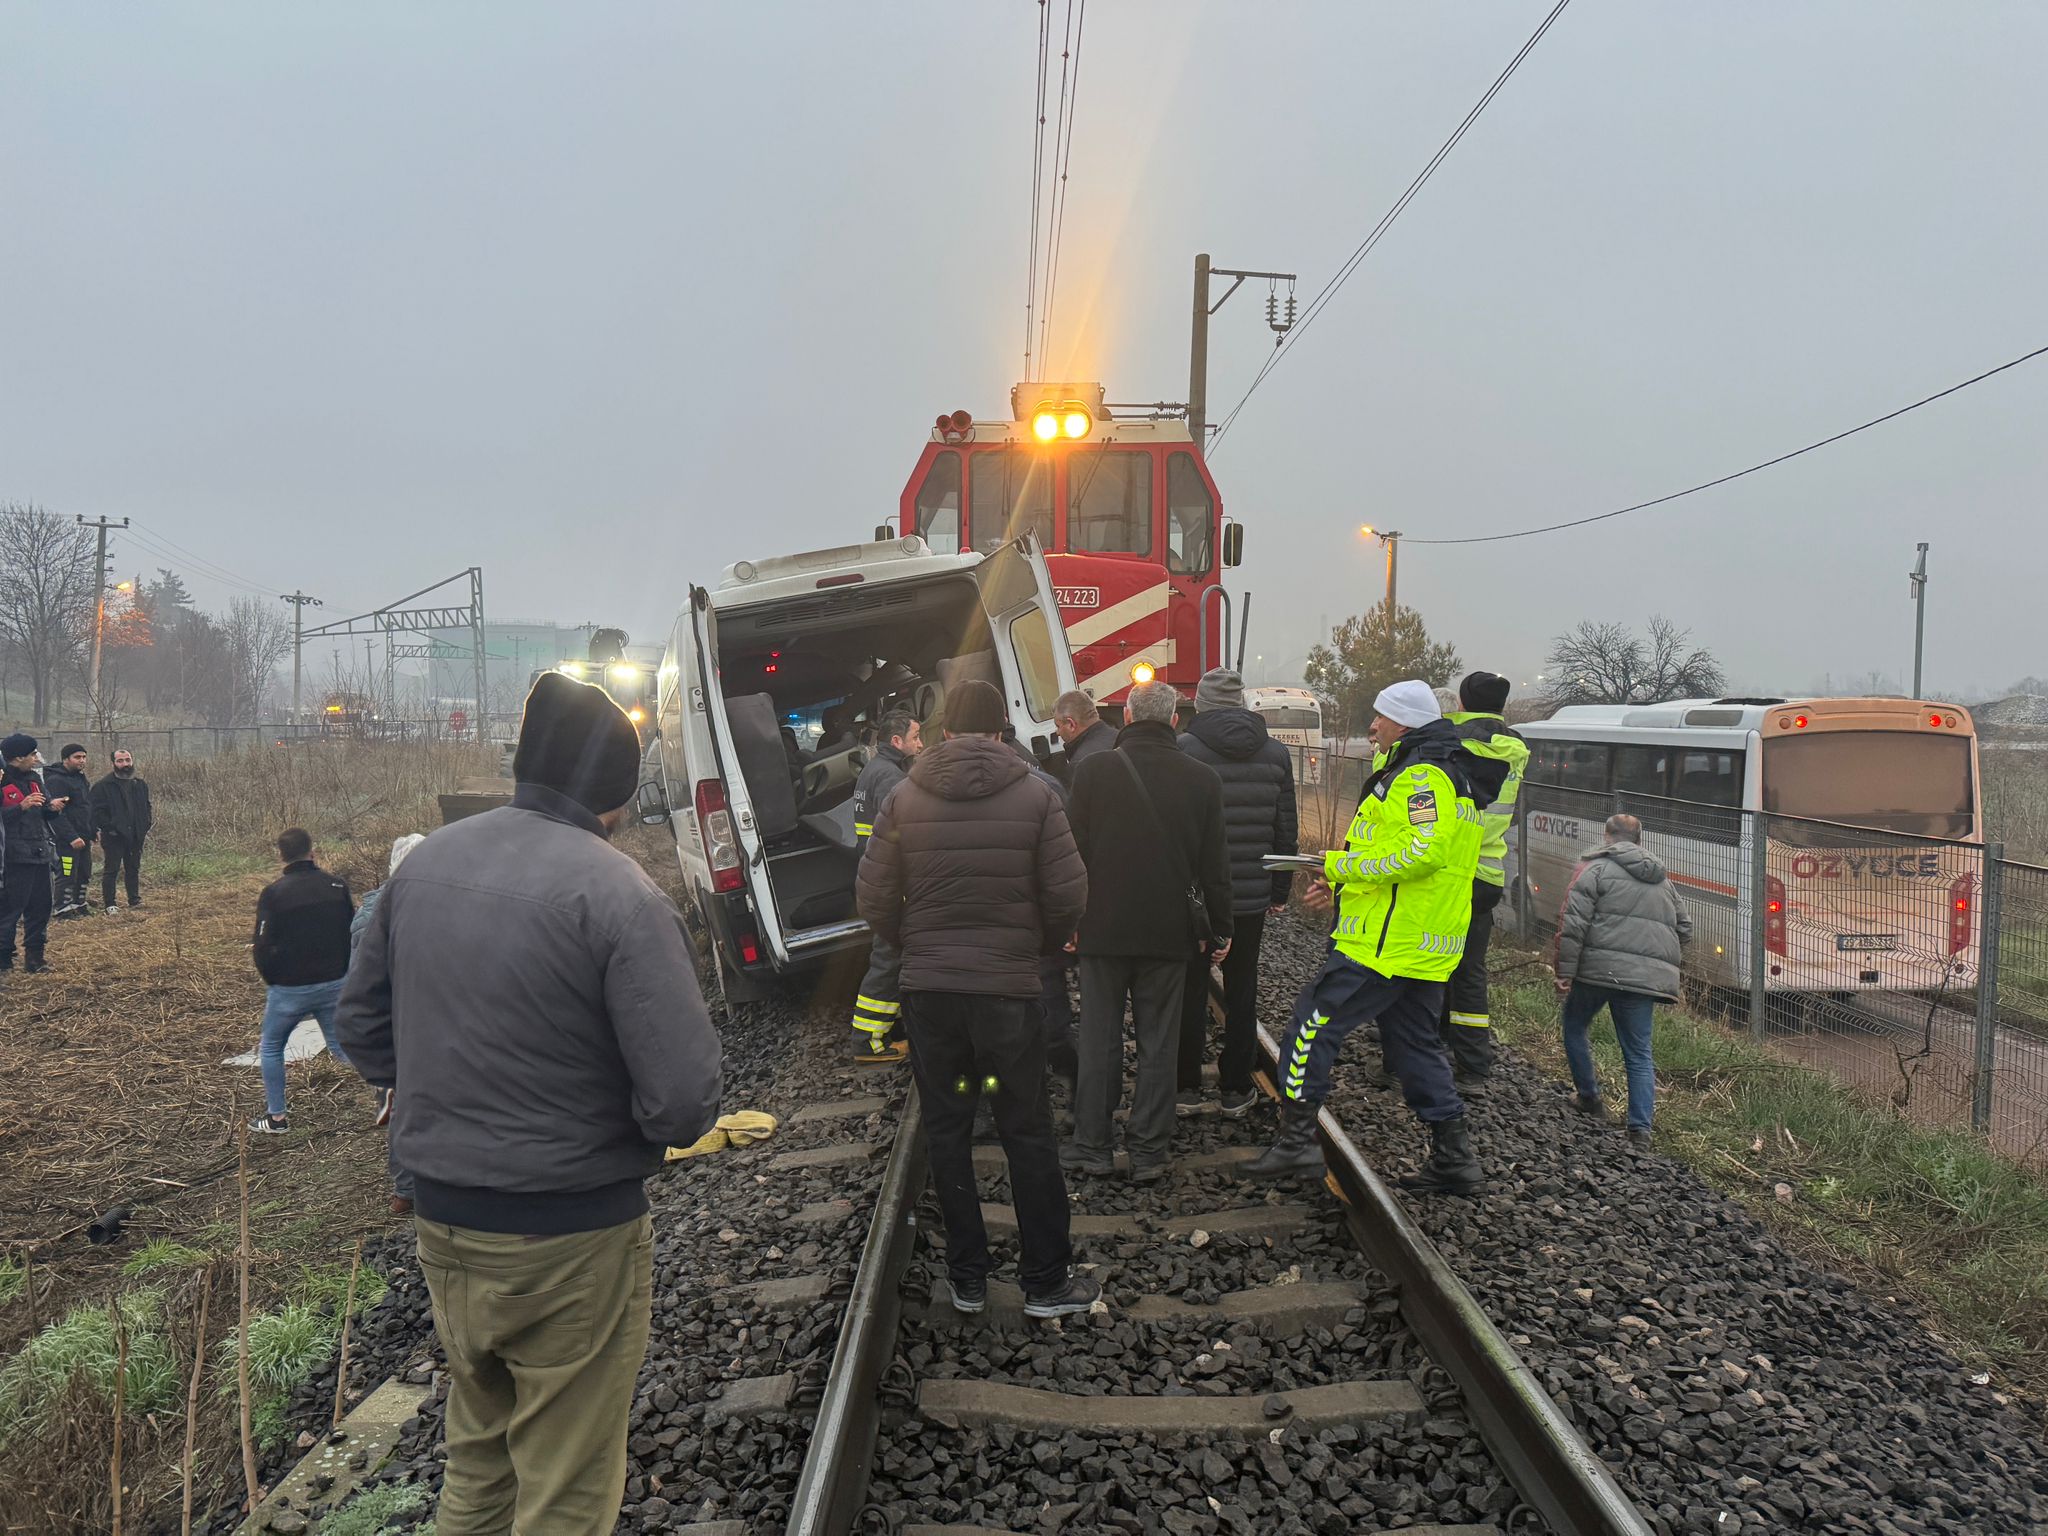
<point>298,600</point>
<point>1391,539</point>
<point>1198,343</point>
<point>1918,577</point>
<point>99,604</point>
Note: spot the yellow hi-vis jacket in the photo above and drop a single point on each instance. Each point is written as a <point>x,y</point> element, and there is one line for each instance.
<point>1488,736</point>
<point>1404,875</point>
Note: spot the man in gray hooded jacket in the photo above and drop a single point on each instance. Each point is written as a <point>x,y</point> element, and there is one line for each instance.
<point>1618,945</point>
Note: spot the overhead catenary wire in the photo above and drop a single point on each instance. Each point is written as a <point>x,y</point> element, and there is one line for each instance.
<point>1708,485</point>
<point>1329,290</point>
<point>166,548</point>
<point>1063,159</point>
<point>1037,178</point>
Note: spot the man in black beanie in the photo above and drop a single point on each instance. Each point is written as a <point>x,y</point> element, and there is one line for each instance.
<point>1495,756</point>
<point>528,992</point>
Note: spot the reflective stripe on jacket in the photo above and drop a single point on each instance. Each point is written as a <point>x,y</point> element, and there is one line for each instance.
<point>1489,738</point>
<point>1404,875</point>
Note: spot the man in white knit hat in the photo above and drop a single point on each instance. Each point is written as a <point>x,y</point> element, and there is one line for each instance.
<point>1402,883</point>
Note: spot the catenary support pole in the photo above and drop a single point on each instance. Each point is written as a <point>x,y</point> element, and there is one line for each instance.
<point>1918,576</point>
<point>1198,359</point>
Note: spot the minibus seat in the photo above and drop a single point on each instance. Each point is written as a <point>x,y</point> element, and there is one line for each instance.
<point>831,778</point>
<point>757,738</point>
<point>835,826</point>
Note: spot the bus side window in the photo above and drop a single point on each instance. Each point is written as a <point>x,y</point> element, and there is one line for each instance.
<point>938,505</point>
<point>1585,765</point>
<point>1109,502</point>
<point>1546,763</point>
<point>1711,778</point>
<point>1190,515</point>
<point>1642,771</point>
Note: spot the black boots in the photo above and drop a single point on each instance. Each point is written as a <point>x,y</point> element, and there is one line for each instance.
<point>1294,1150</point>
<point>1451,1169</point>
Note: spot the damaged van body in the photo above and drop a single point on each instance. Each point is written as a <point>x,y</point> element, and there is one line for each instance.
<point>769,694</point>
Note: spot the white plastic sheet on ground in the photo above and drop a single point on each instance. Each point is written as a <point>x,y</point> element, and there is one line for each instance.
<point>305,1043</point>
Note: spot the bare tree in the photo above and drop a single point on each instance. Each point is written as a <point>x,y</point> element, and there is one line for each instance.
<point>257,637</point>
<point>1611,664</point>
<point>48,584</point>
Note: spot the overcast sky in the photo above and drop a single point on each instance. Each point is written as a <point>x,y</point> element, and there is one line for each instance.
<point>350,297</point>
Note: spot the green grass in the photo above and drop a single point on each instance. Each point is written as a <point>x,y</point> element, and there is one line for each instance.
<point>376,1510</point>
<point>82,1347</point>
<point>287,1345</point>
<point>163,1253</point>
<point>1937,1213</point>
<point>13,1279</point>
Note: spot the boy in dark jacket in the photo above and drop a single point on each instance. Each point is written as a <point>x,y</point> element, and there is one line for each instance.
<point>1258,819</point>
<point>72,830</point>
<point>972,874</point>
<point>25,815</point>
<point>302,949</point>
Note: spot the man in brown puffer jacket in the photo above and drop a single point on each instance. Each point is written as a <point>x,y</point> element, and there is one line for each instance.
<point>972,874</point>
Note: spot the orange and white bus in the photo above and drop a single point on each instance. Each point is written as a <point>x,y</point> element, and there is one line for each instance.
<point>1873,842</point>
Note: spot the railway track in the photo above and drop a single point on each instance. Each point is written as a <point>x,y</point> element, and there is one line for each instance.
<point>1248,1345</point>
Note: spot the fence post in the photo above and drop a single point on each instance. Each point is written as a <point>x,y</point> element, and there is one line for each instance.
<point>1990,908</point>
<point>1759,879</point>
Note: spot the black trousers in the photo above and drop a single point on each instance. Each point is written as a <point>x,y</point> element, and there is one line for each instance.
<point>24,904</point>
<point>74,876</point>
<point>1466,1027</point>
<point>123,857</point>
<point>1153,988</point>
<point>960,1043</point>
<point>1240,1010</point>
<point>1062,1042</point>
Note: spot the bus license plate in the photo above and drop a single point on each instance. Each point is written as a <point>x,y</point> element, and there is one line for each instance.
<point>1865,941</point>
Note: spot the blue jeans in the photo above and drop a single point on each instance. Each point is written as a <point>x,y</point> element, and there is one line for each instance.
<point>1632,1012</point>
<point>281,1015</point>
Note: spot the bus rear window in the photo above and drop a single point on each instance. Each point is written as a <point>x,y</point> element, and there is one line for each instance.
<point>1895,781</point>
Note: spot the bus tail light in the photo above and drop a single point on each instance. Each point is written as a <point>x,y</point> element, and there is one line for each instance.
<point>714,827</point>
<point>1962,895</point>
<point>1774,914</point>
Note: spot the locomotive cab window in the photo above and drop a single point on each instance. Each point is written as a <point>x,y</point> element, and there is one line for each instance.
<point>1109,502</point>
<point>1012,493</point>
<point>938,505</point>
<point>1190,517</point>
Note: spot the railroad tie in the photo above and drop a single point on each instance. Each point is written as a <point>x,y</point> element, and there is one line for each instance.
<point>972,1404</point>
<point>1246,1221</point>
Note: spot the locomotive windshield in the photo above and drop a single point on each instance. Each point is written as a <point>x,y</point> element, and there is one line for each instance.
<point>1012,495</point>
<point>1109,502</point>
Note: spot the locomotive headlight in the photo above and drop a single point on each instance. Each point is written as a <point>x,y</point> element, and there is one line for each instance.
<point>625,671</point>
<point>573,668</point>
<point>636,714</point>
<point>1141,673</point>
<point>1076,424</point>
<point>1045,426</point>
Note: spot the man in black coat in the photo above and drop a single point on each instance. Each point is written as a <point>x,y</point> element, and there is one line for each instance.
<point>72,829</point>
<point>1258,819</point>
<point>1149,823</point>
<point>26,815</point>
<point>121,813</point>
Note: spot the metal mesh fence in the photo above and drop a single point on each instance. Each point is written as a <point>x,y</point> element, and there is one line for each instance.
<point>1913,969</point>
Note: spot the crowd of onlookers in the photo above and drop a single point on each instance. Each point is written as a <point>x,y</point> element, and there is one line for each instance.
<point>52,817</point>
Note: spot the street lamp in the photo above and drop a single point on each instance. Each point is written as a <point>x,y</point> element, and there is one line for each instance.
<point>1391,539</point>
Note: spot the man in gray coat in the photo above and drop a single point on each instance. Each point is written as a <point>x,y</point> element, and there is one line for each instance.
<point>528,990</point>
<point>1618,945</point>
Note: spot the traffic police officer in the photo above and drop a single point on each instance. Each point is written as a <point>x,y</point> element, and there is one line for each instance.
<point>879,1005</point>
<point>1403,884</point>
<point>1497,756</point>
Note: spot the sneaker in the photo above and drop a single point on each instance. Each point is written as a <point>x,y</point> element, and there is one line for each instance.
<point>110,910</point>
<point>969,1296</point>
<point>1077,1295</point>
<point>1471,1084</point>
<point>1187,1104</point>
<point>1639,1134</point>
<point>34,965</point>
<point>271,1125</point>
<point>1076,1158</point>
<point>1238,1101</point>
<point>1590,1105</point>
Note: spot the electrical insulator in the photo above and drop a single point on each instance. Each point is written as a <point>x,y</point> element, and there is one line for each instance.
<point>1290,310</point>
<point>1273,309</point>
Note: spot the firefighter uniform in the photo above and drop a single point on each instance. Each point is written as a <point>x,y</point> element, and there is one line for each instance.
<point>1497,756</point>
<point>1403,884</point>
<point>878,1007</point>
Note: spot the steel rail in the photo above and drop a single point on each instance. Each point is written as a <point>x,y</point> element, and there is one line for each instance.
<point>1550,1465</point>
<point>833,1484</point>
